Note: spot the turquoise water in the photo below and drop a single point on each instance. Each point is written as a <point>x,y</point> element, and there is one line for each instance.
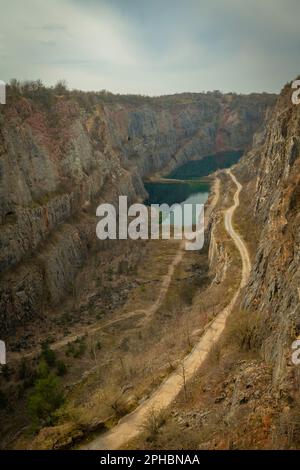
<point>207,165</point>
<point>185,193</point>
<point>192,190</point>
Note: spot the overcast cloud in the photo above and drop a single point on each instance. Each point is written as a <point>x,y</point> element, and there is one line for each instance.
<point>152,46</point>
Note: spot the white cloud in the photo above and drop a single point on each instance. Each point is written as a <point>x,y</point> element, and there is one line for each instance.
<point>41,36</point>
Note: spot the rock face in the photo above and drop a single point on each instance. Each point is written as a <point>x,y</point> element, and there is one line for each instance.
<point>274,284</point>
<point>60,156</point>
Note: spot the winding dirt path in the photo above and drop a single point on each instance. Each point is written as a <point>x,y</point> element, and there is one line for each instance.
<point>234,235</point>
<point>129,427</point>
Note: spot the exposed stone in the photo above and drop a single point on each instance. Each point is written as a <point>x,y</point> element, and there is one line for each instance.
<point>275,277</point>
<point>57,164</point>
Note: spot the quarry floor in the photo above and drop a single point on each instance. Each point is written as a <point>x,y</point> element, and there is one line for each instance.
<point>136,355</point>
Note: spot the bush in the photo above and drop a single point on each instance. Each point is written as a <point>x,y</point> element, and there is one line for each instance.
<point>43,369</point>
<point>48,355</point>
<point>153,422</point>
<point>77,348</point>
<point>45,399</point>
<point>61,368</point>
<point>27,374</point>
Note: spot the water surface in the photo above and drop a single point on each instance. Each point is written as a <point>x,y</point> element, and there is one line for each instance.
<point>207,165</point>
<point>190,186</point>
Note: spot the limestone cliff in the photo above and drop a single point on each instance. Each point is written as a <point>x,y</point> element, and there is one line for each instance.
<point>63,154</point>
<point>273,288</point>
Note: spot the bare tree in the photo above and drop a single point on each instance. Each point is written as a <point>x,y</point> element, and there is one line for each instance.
<point>182,373</point>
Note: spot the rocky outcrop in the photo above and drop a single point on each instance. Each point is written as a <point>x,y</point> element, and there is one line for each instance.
<point>60,156</point>
<point>273,288</point>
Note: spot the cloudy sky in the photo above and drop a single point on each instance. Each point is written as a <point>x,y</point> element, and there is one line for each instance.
<point>152,46</point>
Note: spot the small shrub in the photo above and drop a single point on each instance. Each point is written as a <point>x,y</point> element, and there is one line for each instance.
<point>153,422</point>
<point>77,348</point>
<point>48,355</point>
<point>61,368</point>
<point>29,382</point>
<point>45,399</point>
<point>27,374</point>
<point>43,369</point>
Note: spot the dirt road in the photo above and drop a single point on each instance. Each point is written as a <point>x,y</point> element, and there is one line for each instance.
<point>234,235</point>
<point>130,426</point>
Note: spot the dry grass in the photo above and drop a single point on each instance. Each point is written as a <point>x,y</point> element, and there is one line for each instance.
<point>154,420</point>
<point>244,331</point>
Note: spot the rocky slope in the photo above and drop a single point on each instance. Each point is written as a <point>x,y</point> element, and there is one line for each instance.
<point>61,154</point>
<point>273,289</point>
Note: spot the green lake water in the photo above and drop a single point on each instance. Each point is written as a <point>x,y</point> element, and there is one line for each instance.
<point>197,168</point>
<point>192,190</point>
